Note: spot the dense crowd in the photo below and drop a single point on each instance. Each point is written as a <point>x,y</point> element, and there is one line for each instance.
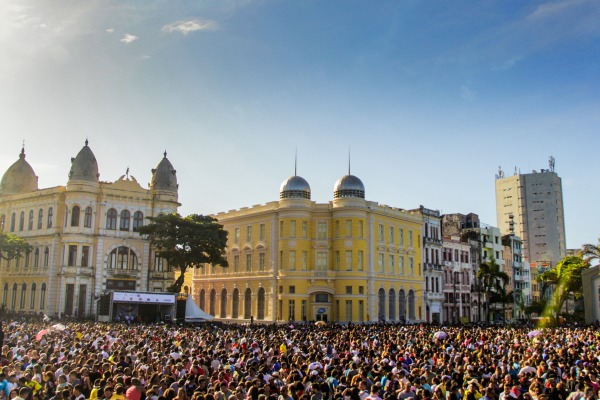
<point>97,361</point>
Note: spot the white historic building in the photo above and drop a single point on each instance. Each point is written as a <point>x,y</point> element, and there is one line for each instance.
<point>84,236</point>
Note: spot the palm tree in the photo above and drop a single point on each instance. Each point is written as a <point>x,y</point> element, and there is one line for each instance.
<point>590,252</point>
<point>566,278</point>
<point>492,278</point>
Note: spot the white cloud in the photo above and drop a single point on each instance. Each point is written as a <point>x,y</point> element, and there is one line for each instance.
<point>129,38</point>
<point>190,25</point>
<point>110,30</point>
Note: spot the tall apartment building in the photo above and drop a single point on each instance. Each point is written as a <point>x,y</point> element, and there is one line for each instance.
<point>534,202</point>
<point>297,260</point>
<point>84,236</point>
<point>458,303</point>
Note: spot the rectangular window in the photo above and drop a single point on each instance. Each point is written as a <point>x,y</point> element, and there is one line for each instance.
<point>380,263</point>
<point>348,228</point>
<point>303,310</point>
<point>236,236</point>
<point>361,290</point>
<point>391,264</point>
<point>391,234</point>
<point>280,229</point>
<point>85,255</point>
<point>72,255</point>
<point>348,310</point>
<point>248,262</point>
<point>322,230</point>
<point>348,260</point>
<point>401,265</point>
<point>381,233</point>
<point>292,260</point>
<point>360,229</point>
<point>292,289</point>
<point>337,260</point>
<point>292,309</point>
<point>262,232</point>
<point>249,233</point>
<point>410,239</point>
<point>411,266</point>
<point>293,228</point>
<point>359,260</point>
<point>261,261</point>
<point>348,289</point>
<point>322,261</point>
<point>321,298</point>
<point>337,229</point>
<point>361,311</point>
<point>304,229</point>
<point>236,263</point>
<point>304,260</point>
<point>401,237</point>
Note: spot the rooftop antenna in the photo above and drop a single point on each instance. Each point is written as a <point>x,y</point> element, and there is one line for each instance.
<point>551,163</point>
<point>296,162</point>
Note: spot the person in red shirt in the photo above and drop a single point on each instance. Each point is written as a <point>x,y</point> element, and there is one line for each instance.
<point>134,392</point>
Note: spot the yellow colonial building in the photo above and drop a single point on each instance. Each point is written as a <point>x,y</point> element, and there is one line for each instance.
<point>84,236</point>
<point>297,260</point>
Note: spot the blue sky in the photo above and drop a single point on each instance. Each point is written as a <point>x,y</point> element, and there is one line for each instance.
<point>429,97</point>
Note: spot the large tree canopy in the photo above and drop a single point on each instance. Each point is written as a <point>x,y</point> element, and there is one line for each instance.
<point>12,246</point>
<point>187,242</point>
<point>566,278</point>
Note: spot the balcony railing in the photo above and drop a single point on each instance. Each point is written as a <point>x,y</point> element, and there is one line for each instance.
<point>123,273</point>
<point>76,270</point>
<point>429,240</point>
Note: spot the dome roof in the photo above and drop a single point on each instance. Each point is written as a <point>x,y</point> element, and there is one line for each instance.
<point>349,186</point>
<point>19,177</point>
<point>294,187</point>
<point>164,176</point>
<point>84,166</point>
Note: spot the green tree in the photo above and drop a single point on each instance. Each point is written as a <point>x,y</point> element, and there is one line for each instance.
<point>184,242</point>
<point>492,279</point>
<point>12,246</point>
<point>566,280</point>
<point>500,295</point>
<point>590,252</point>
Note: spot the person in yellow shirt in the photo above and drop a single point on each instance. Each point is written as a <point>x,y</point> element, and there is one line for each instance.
<point>119,393</point>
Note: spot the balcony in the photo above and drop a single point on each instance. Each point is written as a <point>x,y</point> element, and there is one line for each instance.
<point>76,271</point>
<point>123,273</point>
<point>429,240</point>
<point>162,276</point>
<point>432,267</point>
<point>431,296</point>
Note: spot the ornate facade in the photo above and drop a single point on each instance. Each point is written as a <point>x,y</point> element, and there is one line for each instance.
<point>83,236</point>
<point>297,260</point>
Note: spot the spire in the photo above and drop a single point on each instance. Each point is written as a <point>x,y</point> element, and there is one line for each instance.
<point>86,141</point>
<point>296,162</point>
<point>22,155</point>
<point>165,153</point>
<point>349,161</point>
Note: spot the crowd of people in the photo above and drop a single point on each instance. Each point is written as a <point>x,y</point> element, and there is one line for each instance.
<point>109,361</point>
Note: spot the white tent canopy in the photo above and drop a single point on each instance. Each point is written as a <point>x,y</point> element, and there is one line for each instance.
<point>193,313</point>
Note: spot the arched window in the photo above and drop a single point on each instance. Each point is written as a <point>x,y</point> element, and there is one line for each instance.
<point>248,303</point>
<point>381,305</point>
<point>50,214</point>
<point>223,303</point>
<point>2,222</point>
<point>138,220</point>
<point>36,257</point>
<point>87,218</point>
<point>12,222</point>
<point>75,216</point>
<point>111,219</point>
<point>402,305</point>
<point>32,296</point>
<point>235,304</point>
<point>40,218</point>
<point>213,300</point>
<point>411,304</point>
<point>392,305</point>
<point>125,217</point>
<point>202,300</point>
<point>14,296</point>
<point>122,258</point>
<point>23,292</point>
<point>22,221</point>
<point>30,222</point>
<point>260,312</point>
<point>46,256</point>
<point>5,295</point>
<point>43,296</point>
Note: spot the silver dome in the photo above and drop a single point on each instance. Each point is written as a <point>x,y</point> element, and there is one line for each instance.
<point>349,186</point>
<point>294,187</point>
<point>84,166</point>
